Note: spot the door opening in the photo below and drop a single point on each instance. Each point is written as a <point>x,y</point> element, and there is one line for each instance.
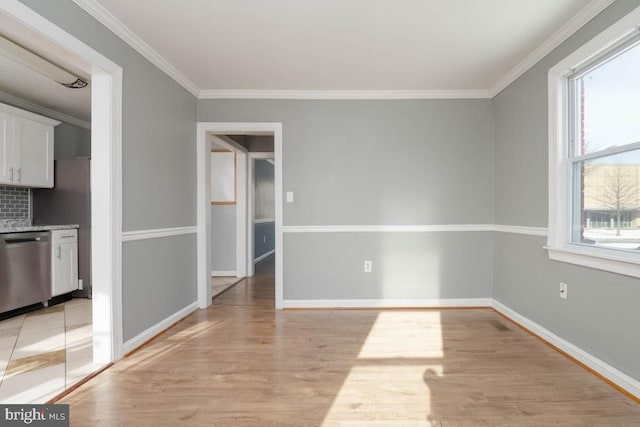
<point>106,184</point>
<point>261,232</point>
<point>229,136</point>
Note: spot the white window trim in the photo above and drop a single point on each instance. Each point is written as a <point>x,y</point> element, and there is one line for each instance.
<point>558,246</point>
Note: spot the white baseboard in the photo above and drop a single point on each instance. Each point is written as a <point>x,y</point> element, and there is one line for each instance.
<point>609,372</point>
<point>222,273</point>
<point>263,256</point>
<point>146,335</point>
<point>388,303</point>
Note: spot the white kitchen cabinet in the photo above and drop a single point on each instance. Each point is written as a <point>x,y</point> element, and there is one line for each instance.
<point>64,261</point>
<point>6,148</point>
<point>26,148</point>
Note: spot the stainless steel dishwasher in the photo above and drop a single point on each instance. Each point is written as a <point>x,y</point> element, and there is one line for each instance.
<point>25,269</point>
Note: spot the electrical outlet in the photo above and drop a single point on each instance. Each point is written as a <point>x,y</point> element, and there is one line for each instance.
<point>289,196</point>
<point>368,266</point>
<point>563,290</point>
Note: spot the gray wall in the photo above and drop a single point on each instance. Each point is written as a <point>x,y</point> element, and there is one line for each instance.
<point>378,162</point>
<point>264,238</point>
<point>159,178</point>
<point>71,142</point>
<point>405,265</point>
<point>264,208</point>
<point>601,312</point>
<point>164,275</point>
<point>255,143</point>
<point>264,196</point>
<point>260,143</point>
<point>223,232</point>
<point>381,162</point>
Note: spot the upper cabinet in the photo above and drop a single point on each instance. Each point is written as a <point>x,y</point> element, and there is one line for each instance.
<point>26,148</point>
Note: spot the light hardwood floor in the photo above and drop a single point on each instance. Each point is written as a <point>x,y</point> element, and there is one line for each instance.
<point>241,363</point>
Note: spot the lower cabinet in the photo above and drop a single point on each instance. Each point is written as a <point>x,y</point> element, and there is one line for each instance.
<point>64,261</point>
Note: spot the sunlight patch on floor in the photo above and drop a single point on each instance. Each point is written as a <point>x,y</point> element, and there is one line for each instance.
<point>45,351</point>
<point>387,385</point>
<point>404,334</point>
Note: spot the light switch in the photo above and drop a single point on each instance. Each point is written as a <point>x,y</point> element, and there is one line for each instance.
<point>289,196</point>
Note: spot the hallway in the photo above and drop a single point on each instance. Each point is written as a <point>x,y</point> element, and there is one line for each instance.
<point>241,363</point>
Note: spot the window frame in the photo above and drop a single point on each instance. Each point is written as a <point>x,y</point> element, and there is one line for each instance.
<point>561,160</point>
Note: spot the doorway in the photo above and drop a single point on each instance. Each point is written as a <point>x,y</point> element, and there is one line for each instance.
<point>261,235</point>
<point>106,178</point>
<point>206,131</point>
<point>228,204</point>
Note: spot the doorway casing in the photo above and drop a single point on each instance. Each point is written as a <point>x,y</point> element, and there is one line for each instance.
<point>106,172</point>
<point>204,131</point>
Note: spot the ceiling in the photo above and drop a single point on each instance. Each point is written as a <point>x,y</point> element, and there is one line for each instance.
<point>20,82</point>
<point>258,48</point>
<point>22,87</point>
<point>325,45</point>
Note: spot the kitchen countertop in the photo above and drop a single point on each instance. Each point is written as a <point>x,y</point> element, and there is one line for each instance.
<point>17,228</point>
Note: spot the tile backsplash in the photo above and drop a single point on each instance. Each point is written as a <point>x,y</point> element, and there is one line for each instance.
<point>15,203</point>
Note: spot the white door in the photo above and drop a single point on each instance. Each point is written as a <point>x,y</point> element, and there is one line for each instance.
<point>34,153</point>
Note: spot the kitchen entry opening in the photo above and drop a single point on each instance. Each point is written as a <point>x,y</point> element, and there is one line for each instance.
<point>56,359</point>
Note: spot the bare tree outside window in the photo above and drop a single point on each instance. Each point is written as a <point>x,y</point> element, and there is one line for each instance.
<point>610,211</point>
<point>619,191</point>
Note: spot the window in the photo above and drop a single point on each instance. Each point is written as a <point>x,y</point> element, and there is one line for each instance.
<point>594,152</point>
<point>604,151</point>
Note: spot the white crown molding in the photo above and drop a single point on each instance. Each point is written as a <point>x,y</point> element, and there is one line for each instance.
<point>557,38</point>
<point>107,19</point>
<point>35,108</point>
<point>93,8</point>
<point>128,236</point>
<point>344,94</point>
<point>617,377</point>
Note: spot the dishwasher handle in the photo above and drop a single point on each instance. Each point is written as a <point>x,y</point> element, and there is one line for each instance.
<point>22,240</point>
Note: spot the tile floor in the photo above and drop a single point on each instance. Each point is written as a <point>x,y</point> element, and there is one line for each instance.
<point>45,351</point>
<point>221,284</point>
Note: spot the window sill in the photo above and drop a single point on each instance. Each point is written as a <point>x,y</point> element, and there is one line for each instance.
<point>620,262</point>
